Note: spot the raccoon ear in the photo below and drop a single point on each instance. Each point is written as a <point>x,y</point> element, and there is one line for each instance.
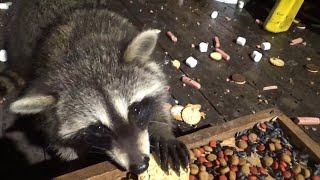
<point>32,104</point>
<point>142,46</point>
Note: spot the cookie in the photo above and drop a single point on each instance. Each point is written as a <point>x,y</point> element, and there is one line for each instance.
<point>191,115</point>
<point>312,68</point>
<point>277,62</point>
<point>238,78</point>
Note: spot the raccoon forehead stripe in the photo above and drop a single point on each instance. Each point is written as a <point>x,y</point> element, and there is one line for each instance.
<point>121,106</point>
<point>146,91</point>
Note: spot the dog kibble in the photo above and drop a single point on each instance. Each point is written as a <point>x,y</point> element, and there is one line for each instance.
<point>274,140</point>
<point>306,173</point>
<point>299,177</point>
<point>242,161</point>
<point>224,170</point>
<point>208,148</point>
<point>228,152</point>
<point>286,158</point>
<point>267,160</point>
<point>234,160</point>
<point>262,152</point>
<point>223,177</point>
<point>232,175</point>
<point>213,143</point>
<point>242,144</point>
<point>222,161</point>
<point>253,170</point>
<point>211,157</point>
<point>197,153</point>
<point>261,147</point>
<point>287,175</point>
<point>245,138</point>
<point>272,147</point>
<point>296,169</point>
<point>202,168</point>
<point>203,175</point>
<point>278,146</point>
<point>252,137</point>
<point>245,170</point>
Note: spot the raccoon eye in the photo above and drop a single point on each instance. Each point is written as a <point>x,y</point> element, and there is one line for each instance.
<point>98,130</point>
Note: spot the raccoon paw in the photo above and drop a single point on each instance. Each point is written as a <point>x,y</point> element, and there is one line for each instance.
<point>170,148</point>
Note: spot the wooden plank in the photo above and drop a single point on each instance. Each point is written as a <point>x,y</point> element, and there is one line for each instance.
<point>213,75</point>
<point>224,131</point>
<point>280,43</point>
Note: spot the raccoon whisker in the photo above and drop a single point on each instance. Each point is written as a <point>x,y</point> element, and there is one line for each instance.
<point>96,147</point>
<point>159,122</point>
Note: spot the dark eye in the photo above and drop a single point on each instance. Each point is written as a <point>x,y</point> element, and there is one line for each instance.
<point>97,130</point>
<point>140,112</point>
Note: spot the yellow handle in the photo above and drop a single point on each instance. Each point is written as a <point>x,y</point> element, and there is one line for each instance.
<point>282,15</point>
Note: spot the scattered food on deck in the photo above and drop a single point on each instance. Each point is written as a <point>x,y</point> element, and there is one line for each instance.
<point>266,88</point>
<point>193,46</point>
<point>308,59</point>
<point>312,68</point>
<point>276,61</point>
<point>176,64</point>
<point>217,42</point>
<point>224,55</point>
<point>256,56</point>
<point>176,112</point>
<point>241,41</point>
<point>258,46</point>
<point>216,56</point>
<point>172,36</point>
<point>203,47</point>
<point>214,14</point>
<point>238,78</point>
<point>3,55</point>
<point>265,46</point>
<point>228,1</point>
<point>191,82</point>
<point>190,113</point>
<point>301,26</point>
<point>296,21</point>
<point>5,5</point>
<point>240,4</point>
<point>228,18</point>
<point>191,62</point>
<point>307,120</point>
<point>259,22</point>
<point>296,41</point>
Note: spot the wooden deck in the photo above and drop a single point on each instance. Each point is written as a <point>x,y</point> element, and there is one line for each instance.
<point>298,92</point>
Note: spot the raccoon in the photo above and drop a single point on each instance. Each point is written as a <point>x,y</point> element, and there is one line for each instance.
<point>95,83</point>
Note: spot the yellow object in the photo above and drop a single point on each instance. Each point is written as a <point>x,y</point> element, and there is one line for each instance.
<point>282,15</point>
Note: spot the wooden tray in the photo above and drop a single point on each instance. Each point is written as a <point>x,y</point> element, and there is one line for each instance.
<point>105,170</point>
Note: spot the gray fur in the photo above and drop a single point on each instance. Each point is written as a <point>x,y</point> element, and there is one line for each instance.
<point>83,66</point>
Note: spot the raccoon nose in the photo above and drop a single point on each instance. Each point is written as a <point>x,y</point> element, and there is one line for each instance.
<point>140,167</point>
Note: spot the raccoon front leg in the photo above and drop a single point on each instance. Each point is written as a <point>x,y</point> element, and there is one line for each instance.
<point>165,145</point>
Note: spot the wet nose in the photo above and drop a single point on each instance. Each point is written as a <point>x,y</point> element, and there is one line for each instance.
<point>138,168</point>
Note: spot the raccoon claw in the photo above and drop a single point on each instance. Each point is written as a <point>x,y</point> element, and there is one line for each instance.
<point>173,149</point>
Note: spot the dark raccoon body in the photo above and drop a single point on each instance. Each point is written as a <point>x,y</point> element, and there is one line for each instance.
<point>95,82</point>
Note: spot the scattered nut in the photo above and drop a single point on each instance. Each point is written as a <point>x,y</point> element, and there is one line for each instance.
<point>252,137</point>
<point>228,152</point>
<point>267,160</point>
<point>211,157</point>
<point>224,170</point>
<point>208,148</point>
<point>286,158</point>
<point>234,160</point>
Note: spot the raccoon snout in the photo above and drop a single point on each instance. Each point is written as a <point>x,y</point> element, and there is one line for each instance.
<point>138,168</point>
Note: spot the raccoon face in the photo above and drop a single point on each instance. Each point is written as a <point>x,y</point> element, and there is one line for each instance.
<point>111,116</point>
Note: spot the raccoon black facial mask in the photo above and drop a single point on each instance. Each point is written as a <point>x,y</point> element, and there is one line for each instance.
<point>109,93</point>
